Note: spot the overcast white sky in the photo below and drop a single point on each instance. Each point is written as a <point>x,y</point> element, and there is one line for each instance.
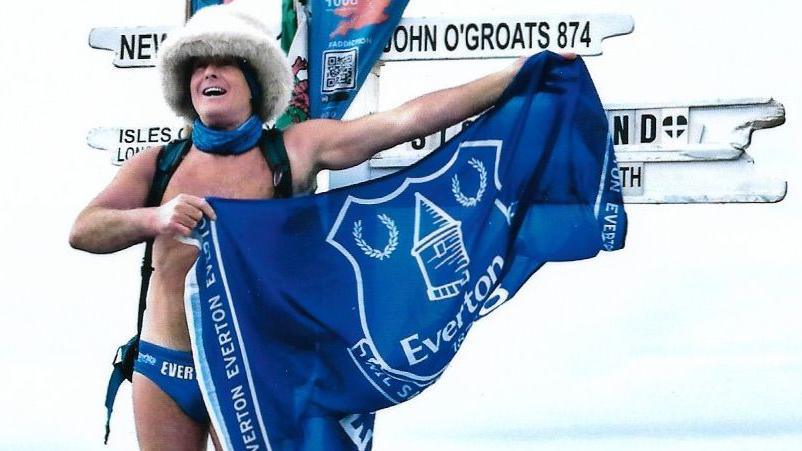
<point>688,339</point>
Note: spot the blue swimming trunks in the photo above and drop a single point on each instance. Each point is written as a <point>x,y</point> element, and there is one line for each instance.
<point>173,372</point>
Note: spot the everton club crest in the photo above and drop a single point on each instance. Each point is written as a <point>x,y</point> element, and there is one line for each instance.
<point>423,228</point>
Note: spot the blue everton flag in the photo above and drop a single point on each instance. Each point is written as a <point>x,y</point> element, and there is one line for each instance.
<point>346,38</point>
<point>308,314</point>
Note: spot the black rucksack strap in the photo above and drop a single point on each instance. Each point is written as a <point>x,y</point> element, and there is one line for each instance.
<point>272,145</point>
<point>167,162</point>
<point>169,158</point>
<point>123,367</point>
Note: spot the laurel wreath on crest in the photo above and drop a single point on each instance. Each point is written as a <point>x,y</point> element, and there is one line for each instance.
<point>392,241</point>
<point>464,200</point>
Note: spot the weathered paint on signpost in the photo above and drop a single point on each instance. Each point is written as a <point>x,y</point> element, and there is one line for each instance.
<point>652,132</point>
<point>693,153</point>
<point>694,131</point>
<point>427,38</point>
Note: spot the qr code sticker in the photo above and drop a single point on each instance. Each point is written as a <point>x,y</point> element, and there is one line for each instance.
<point>339,70</point>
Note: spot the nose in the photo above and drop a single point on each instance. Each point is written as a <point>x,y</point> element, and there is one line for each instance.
<point>210,71</point>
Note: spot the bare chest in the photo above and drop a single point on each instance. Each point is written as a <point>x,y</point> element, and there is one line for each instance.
<point>245,176</point>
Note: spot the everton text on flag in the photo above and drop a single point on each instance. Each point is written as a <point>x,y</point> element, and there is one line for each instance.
<point>308,314</point>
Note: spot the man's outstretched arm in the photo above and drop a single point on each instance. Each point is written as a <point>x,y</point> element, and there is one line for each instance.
<point>341,144</point>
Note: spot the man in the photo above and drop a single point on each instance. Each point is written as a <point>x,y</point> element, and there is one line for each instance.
<point>224,72</point>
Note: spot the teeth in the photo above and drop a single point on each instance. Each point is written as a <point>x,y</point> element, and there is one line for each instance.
<point>214,91</point>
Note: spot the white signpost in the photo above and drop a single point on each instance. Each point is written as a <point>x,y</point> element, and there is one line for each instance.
<point>689,131</point>
<point>667,153</point>
<point>123,143</point>
<point>694,153</point>
<point>502,37</point>
<point>691,152</point>
<point>133,47</point>
<point>424,38</point>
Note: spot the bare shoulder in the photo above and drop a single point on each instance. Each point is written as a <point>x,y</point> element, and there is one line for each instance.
<point>130,186</point>
<point>303,144</point>
<point>142,164</point>
<point>334,144</point>
<point>140,167</point>
<point>305,138</point>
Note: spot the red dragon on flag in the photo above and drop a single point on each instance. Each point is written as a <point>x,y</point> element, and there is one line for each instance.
<point>361,14</point>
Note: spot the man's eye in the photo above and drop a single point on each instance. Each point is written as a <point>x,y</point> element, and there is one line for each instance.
<point>199,64</point>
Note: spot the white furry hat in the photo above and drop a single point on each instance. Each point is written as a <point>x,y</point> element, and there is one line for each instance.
<point>226,30</point>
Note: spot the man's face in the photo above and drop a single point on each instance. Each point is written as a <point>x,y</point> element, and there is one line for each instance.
<point>219,92</point>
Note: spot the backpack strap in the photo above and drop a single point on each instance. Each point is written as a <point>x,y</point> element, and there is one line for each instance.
<point>169,158</point>
<point>272,145</point>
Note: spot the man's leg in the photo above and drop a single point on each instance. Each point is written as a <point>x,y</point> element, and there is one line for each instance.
<point>160,423</point>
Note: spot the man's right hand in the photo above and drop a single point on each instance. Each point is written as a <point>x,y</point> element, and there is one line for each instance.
<point>181,214</point>
<point>118,218</point>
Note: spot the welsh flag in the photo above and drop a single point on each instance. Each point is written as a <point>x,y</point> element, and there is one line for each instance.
<point>294,41</point>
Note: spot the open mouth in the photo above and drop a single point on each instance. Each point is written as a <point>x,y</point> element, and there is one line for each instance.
<point>214,91</point>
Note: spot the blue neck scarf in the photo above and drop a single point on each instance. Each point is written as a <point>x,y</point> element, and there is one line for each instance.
<point>227,142</point>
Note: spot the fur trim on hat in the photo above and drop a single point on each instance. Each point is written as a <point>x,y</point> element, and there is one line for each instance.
<point>225,30</point>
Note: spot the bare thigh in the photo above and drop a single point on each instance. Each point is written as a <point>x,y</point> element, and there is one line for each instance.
<point>160,423</point>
